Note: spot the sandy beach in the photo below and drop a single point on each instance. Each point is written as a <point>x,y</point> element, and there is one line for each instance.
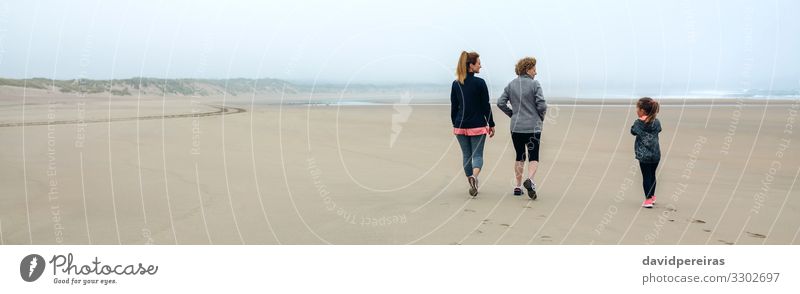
<point>208,171</point>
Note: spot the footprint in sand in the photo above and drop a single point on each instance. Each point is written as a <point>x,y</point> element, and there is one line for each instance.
<point>486,221</point>
<point>546,238</point>
<point>478,232</point>
<point>469,210</point>
<point>541,216</point>
<point>756,235</point>
<point>506,225</point>
<point>698,221</point>
<point>725,242</point>
<point>527,206</point>
<point>707,230</point>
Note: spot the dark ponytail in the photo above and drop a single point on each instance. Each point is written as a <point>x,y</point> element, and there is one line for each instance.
<point>650,108</point>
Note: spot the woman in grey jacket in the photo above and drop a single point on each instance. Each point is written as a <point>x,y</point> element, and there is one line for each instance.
<point>527,112</point>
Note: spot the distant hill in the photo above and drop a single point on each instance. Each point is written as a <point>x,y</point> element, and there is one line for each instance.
<point>151,86</point>
<point>200,87</point>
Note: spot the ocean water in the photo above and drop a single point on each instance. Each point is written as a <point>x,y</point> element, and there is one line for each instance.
<point>427,97</point>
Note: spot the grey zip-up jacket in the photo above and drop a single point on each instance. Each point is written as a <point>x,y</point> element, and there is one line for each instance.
<point>646,145</point>
<point>528,107</point>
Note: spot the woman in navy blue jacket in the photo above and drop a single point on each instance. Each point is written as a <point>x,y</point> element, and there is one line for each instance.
<point>471,115</point>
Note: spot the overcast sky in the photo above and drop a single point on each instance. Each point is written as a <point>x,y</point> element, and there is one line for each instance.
<point>585,45</point>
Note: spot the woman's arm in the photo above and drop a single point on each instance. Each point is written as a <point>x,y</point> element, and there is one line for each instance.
<point>541,104</point>
<point>487,106</point>
<point>502,103</point>
<point>454,102</point>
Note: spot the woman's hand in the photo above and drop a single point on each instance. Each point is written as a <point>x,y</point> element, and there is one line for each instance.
<point>491,132</point>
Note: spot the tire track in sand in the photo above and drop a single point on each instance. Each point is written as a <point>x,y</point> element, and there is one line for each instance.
<point>221,110</point>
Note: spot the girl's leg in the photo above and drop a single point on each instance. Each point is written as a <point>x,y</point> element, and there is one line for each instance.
<point>466,151</point>
<point>477,143</point>
<point>652,192</point>
<point>648,178</point>
<point>645,177</point>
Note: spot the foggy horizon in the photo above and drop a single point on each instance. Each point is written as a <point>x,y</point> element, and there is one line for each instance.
<point>616,47</point>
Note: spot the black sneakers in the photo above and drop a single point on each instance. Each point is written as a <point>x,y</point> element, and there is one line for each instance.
<point>531,189</point>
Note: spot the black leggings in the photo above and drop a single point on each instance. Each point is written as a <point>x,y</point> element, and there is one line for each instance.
<point>526,142</point>
<point>648,178</point>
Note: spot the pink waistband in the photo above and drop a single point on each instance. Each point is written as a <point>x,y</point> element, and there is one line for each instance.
<point>471,132</point>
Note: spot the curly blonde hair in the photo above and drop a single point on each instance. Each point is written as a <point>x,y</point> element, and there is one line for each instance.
<point>524,64</point>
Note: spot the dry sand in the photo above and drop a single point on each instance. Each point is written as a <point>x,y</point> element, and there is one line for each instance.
<point>384,175</point>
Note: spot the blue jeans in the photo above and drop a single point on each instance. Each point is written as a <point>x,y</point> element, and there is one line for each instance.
<point>472,149</point>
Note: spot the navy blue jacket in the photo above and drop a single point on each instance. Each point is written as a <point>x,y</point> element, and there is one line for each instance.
<point>469,103</point>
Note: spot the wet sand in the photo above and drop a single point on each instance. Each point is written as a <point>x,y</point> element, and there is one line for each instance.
<point>273,174</point>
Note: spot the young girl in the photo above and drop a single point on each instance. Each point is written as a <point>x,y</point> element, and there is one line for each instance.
<point>471,115</point>
<point>527,111</point>
<point>646,129</point>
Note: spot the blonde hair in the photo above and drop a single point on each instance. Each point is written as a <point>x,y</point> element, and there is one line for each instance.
<point>524,64</point>
<point>650,107</point>
<point>464,60</point>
